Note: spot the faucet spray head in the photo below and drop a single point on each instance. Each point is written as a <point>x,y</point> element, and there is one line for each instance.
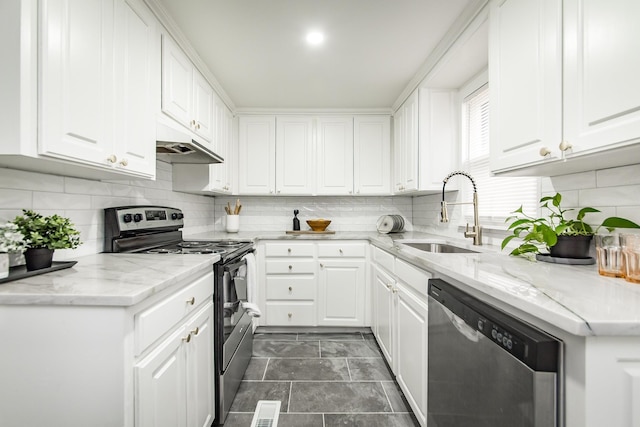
<point>444,215</point>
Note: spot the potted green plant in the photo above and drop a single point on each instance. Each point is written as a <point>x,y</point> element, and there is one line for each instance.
<point>561,236</point>
<point>11,240</point>
<point>44,235</point>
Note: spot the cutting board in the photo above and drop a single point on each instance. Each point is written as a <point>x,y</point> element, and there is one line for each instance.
<point>309,232</point>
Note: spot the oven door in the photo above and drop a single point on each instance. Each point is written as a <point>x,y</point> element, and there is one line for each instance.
<point>234,288</point>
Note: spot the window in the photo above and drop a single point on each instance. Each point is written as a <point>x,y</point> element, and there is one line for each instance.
<point>497,196</point>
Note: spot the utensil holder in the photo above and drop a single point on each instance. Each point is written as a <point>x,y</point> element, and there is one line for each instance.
<point>233,223</point>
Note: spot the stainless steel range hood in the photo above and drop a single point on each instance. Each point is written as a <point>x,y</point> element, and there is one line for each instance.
<point>177,146</point>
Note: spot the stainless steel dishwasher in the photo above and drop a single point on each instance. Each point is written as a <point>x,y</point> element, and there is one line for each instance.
<point>486,368</point>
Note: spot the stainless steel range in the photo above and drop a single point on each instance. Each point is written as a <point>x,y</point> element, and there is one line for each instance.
<point>156,230</point>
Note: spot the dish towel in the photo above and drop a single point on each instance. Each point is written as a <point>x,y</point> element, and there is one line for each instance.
<point>250,306</point>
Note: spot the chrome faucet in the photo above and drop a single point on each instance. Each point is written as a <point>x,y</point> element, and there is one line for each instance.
<point>476,234</point>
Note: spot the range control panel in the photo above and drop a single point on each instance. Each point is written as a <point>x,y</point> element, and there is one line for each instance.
<point>136,218</point>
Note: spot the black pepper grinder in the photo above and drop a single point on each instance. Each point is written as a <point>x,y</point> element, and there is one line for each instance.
<point>296,221</point>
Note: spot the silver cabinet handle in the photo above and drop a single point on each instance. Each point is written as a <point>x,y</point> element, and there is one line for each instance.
<point>124,162</point>
<point>191,301</point>
<point>565,146</point>
<point>112,158</point>
<point>544,151</point>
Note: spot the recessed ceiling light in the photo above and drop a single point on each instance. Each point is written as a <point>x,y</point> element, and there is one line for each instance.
<point>315,38</point>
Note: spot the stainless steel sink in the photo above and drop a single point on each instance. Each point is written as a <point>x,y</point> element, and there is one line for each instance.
<point>438,247</point>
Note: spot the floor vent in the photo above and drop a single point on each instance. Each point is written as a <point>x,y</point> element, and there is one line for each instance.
<point>267,413</point>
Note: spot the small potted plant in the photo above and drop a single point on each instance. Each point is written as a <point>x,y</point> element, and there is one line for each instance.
<point>11,240</point>
<point>561,236</point>
<point>44,235</point>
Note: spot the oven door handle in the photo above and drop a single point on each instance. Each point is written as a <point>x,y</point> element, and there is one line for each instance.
<point>235,266</point>
<point>234,304</point>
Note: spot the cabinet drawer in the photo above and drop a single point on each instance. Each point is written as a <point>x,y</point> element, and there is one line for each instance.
<point>301,313</point>
<point>383,259</point>
<point>412,276</point>
<point>292,266</point>
<point>291,288</point>
<point>353,250</point>
<point>155,321</point>
<point>289,250</point>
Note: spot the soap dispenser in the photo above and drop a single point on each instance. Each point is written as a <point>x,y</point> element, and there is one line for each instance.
<point>296,221</point>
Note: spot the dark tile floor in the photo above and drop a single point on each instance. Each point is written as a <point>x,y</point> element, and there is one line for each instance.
<point>323,380</point>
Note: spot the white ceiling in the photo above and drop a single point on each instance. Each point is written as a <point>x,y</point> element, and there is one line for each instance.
<point>256,49</point>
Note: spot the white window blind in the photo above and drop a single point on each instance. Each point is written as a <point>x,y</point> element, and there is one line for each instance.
<point>497,196</point>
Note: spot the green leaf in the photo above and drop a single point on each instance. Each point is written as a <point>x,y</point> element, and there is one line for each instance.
<point>556,200</point>
<point>506,241</point>
<point>549,236</point>
<point>617,222</point>
<point>585,211</point>
<point>519,222</point>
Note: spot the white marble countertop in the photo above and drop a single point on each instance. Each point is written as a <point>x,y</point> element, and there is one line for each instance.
<point>106,280</point>
<point>574,298</point>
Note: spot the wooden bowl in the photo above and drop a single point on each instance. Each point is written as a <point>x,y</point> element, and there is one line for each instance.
<point>318,224</point>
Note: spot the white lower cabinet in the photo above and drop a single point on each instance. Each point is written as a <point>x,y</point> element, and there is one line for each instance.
<point>175,379</point>
<point>384,309</point>
<point>150,364</point>
<point>314,283</point>
<point>400,325</point>
<point>411,357</point>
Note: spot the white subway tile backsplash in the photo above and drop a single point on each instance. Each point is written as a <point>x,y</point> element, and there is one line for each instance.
<point>23,180</point>
<point>15,199</point>
<point>624,195</point>
<point>574,181</point>
<point>614,177</point>
<point>54,201</point>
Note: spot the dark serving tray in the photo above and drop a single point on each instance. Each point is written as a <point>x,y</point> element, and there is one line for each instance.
<point>20,271</point>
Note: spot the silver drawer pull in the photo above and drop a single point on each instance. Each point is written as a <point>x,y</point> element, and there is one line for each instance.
<point>191,301</point>
<point>187,339</point>
<point>290,315</point>
<point>290,267</point>
<point>196,331</point>
<point>290,289</point>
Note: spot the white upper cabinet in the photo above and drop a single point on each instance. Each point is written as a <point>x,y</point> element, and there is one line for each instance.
<point>307,155</point>
<point>137,82</point>
<point>564,85</point>
<point>439,137</point>
<point>406,145</point>
<point>186,96</point>
<point>294,155</point>
<point>426,141</point>
<point>525,59</point>
<point>335,155</point>
<point>97,84</point>
<point>256,155</point>
<point>601,69</point>
<point>372,155</point>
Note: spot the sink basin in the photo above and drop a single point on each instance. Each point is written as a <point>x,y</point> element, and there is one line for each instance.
<point>438,247</point>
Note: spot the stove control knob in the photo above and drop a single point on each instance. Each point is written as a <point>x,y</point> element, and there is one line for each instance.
<point>127,218</point>
<point>174,216</point>
<point>180,215</point>
<point>137,217</point>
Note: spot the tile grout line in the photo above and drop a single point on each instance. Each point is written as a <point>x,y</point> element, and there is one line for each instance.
<point>348,369</point>
<point>289,400</point>
<point>387,396</point>
<point>264,374</point>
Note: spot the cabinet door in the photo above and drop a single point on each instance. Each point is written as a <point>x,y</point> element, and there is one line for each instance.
<point>220,172</point>
<point>372,155</point>
<point>138,71</point>
<point>438,125</point>
<point>76,71</point>
<point>203,117</point>
<point>411,355</point>
<point>161,387</point>
<point>383,286</point>
<point>341,298</point>
<point>257,155</point>
<point>601,69</point>
<point>177,82</point>
<point>335,156</point>
<point>398,158</point>
<point>200,389</point>
<point>525,53</point>
<point>294,155</point>
<point>410,146</point>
